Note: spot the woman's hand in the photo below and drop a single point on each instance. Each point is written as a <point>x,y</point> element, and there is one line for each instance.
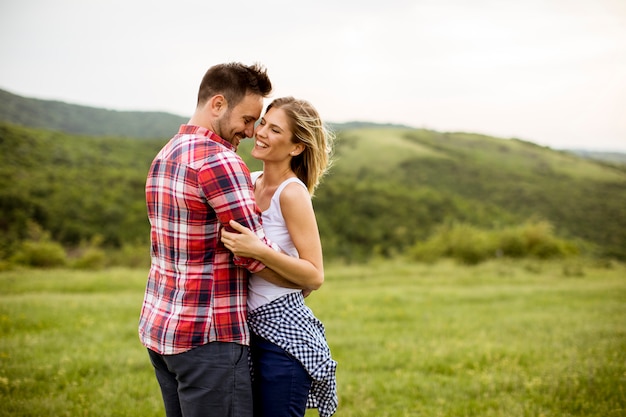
<point>243,242</point>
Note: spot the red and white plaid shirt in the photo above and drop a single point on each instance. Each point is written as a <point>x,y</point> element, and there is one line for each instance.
<point>196,291</point>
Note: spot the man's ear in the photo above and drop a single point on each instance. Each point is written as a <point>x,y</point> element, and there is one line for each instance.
<point>217,105</point>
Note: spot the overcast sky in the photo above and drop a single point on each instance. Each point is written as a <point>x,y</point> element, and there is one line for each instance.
<point>551,72</point>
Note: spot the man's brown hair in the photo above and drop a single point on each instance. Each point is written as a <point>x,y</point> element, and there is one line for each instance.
<point>234,81</point>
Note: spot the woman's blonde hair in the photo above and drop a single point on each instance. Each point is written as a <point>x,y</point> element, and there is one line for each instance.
<point>308,129</point>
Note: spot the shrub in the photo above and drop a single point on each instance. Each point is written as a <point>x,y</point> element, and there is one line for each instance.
<point>427,252</point>
<point>511,243</point>
<point>540,242</point>
<point>132,256</point>
<point>91,258</point>
<point>471,245</point>
<point>44,253</point>
<point>463,242</point>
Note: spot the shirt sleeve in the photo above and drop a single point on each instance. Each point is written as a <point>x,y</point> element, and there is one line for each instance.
<point>225,181</point>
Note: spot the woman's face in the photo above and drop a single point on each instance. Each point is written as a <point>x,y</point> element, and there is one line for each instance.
<point>273,137</point>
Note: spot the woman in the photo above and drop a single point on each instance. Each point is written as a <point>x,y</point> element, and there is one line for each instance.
<point>291,364</point>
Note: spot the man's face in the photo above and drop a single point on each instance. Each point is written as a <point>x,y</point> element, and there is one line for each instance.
<point>237,122</point>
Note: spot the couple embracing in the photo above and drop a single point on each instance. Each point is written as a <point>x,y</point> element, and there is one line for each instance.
<point>234,255</point>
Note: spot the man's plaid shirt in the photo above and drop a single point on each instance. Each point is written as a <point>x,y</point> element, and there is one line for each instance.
<point>196,291</point>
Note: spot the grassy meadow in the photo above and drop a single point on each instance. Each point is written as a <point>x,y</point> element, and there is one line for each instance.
<point>523,338</point>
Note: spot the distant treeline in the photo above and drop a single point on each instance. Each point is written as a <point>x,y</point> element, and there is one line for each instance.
<point>82,120</point>
<point>389,191</point>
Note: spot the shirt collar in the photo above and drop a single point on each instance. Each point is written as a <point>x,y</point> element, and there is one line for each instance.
<point>199,130</point>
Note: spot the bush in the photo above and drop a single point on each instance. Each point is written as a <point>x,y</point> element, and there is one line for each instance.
<point>132,256</point>
<point>427,252</point>
<point>539,241</point>
<point>471,245</point>
<point>92,258</point>
<point>511,243</point>
<point>463,242</point>
<point>43,253</point>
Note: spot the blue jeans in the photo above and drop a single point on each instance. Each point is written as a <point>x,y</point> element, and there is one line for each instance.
<point>210,380</point>
<point>281,384</point>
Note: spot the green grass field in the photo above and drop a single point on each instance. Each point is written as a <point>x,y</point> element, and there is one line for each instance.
<point>499,339</point>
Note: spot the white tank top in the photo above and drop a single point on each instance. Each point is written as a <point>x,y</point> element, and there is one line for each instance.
<point>260,291</point>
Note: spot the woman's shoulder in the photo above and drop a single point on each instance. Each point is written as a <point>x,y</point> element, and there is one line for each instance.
<point>293,191</point>
<point>292,186</point>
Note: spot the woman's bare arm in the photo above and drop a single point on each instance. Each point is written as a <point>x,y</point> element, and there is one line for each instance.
<point>307,271</point>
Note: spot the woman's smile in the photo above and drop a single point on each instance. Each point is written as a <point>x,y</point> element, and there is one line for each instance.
<point>260,144</point>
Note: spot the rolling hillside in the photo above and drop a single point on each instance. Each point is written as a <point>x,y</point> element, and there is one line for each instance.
<point>91,121</point>
<point>405,182</point>
<point>390,187</point>
<point>81,120</point>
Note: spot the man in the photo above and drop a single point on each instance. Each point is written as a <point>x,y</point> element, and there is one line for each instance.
<point>193,319</point>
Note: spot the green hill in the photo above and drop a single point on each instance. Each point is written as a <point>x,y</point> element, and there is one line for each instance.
<point>91,121</point>
<point>390,187</point>
<point>82,120</point>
